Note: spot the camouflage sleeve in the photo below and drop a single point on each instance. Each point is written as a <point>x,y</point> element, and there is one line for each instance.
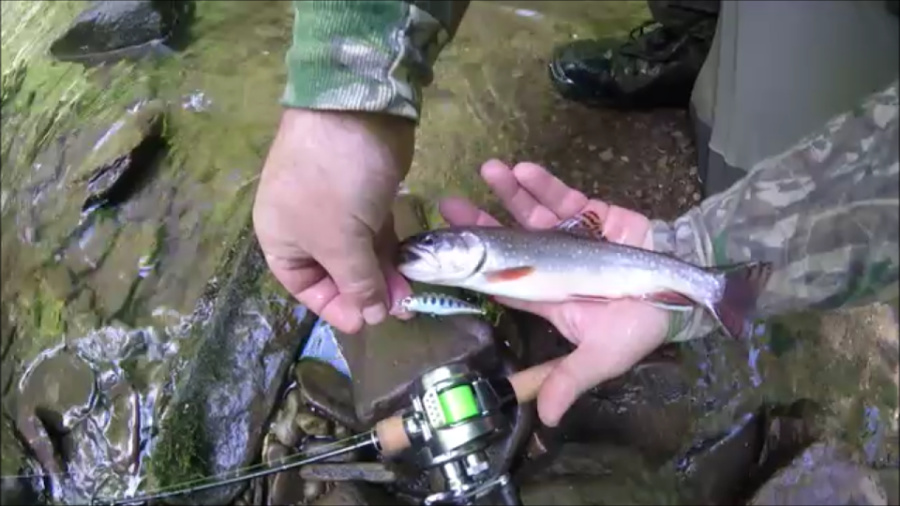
<point>824,212</point>
<point>367,55</point>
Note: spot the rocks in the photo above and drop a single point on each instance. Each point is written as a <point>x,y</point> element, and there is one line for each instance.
<point>245,350</point>
<point>313,432</point>
<point>108,31</point>
<point>716,470</point>
<point>373,472</point>
<point>285,426</point>
<point>826,473</point>
<point>60,388</point>
<point>354,494</point>
<point>312,424</point>
<point>122,158</point>
<point>327,390</point>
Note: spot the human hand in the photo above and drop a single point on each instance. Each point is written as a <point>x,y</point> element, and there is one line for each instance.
<point>322,212</point>
<point>611,337</point>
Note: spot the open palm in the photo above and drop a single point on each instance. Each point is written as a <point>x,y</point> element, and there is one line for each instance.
<point>611,337</point>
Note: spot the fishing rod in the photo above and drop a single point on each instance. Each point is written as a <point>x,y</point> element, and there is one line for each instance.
<point>455,415</point>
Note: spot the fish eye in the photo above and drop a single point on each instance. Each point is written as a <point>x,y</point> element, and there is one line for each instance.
<point>428,240</point>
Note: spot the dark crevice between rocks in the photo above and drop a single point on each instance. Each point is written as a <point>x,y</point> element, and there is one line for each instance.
<point>113,183</point>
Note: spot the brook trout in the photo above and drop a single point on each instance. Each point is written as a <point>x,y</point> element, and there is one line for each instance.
<point>573,262</point>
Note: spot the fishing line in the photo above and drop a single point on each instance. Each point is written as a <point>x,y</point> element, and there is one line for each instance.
<point>246,473</point>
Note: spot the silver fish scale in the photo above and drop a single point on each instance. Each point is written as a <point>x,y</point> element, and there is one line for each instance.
<point>553,251</point>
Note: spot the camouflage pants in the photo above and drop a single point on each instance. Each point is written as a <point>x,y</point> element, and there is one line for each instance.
<point>777,71</point>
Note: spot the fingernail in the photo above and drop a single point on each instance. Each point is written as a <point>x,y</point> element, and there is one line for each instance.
<point>374,314</point>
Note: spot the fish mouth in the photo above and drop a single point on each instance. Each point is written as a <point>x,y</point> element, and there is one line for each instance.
<point>409,254</point>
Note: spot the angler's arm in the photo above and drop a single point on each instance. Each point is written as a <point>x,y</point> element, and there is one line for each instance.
<point>364,55</point>
<point>824,212</point>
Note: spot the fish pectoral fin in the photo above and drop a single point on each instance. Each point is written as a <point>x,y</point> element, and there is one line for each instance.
<point>585,224</point>
<point>510,274</point>
<point>669,300</point>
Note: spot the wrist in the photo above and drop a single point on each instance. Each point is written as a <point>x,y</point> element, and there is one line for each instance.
<point>379,144</point>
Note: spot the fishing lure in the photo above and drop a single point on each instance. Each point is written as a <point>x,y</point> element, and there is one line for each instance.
<point>439,304</point>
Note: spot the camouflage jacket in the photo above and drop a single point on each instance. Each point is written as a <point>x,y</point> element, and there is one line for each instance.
<point>824,212</point>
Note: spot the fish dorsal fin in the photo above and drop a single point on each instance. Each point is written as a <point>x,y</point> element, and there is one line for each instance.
<point>584,224</point>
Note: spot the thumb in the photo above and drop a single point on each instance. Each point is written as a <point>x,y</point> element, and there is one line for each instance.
<point>574,375</point>
<point>358,277</point>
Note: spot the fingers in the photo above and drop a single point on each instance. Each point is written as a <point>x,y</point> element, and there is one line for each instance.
<point>356,272</point>
<point>460,212</point>
<point>315,290</point>
<point>549,191</point>
<point>625,226</point>
<point>576,373</point>
<point>520,203</point>
<point>614,337</point>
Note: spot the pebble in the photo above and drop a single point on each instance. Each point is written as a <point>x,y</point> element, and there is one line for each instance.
<point>372,472</point>
<point>606,155</point>
<point>341,432</point>
<point>313,489</point>
<point>312,424</point>
<point>696,196</point>
<point>284,428</point>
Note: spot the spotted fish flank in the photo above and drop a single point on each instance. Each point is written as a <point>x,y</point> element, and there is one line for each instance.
<point>571,263</point>
<point>438,304</point>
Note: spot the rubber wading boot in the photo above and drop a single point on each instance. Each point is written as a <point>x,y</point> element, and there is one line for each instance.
<point>655,67</point>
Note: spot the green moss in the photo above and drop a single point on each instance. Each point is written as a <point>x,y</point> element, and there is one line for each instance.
<point>181,455</point>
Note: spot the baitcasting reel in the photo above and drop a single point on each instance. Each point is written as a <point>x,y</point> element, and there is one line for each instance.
<point>456,414</point>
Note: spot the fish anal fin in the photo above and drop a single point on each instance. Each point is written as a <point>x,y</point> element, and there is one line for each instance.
<point>510,274</point>
<point>585,224</point>
<point>743,285</point>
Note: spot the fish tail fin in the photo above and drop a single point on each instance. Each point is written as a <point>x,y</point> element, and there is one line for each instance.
<point>743,284</point>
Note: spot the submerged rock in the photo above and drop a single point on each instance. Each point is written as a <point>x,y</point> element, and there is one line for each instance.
<point>111,30</point>
<point>326,389</point>
<point>826,473</point>
<point>354,494</point>
<point>122,158</point>
<point>245,350</point>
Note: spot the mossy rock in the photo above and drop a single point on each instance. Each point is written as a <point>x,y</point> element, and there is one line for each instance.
<point>126,134</point>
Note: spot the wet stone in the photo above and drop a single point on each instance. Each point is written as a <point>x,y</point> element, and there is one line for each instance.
<point>284,427</point>
<point>826,473</point>
<point>110,30</point>
<point>354,494</point>
<point>373,472</point>
<point>246,349</point>
<point>312,424</point>
<point>61,387</point>
<point>123,157</point>
<point>716,470</point>
<point>327,390</point>
<point>283,487</point>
